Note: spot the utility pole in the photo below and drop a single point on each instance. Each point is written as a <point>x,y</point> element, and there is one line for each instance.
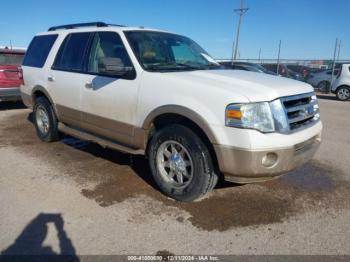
<point>11,44</point>
<point>241,11</point>
<point>233,51</point>
<point>339,50</point>
<point>333,66</point>
<point>259,55</point>
<point>278,57</point>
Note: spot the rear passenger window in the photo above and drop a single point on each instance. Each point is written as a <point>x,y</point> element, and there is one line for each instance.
<point>70,56</point>
<point>38,50</point>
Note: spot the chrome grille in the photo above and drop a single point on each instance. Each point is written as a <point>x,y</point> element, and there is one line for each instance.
<point>302,111</point>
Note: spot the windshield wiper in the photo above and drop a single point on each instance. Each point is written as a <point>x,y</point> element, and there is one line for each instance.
<point>173,66</point>
<point>189,66</point>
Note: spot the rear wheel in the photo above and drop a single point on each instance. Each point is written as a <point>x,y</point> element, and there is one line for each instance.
<point>323,86</point>
<point>343,93</point>
<point>45,120</point>
<point>181,164</point>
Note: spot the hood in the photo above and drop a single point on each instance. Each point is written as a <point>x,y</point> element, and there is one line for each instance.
<point>254,86</point>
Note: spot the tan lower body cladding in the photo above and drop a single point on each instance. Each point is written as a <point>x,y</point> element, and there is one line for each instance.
<point>118,132</point>
<point>247,166</point>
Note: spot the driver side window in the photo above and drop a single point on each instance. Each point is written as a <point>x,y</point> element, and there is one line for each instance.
<point>107,45</point>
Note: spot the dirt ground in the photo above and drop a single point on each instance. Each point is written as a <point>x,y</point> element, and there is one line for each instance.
<point>74,197</point>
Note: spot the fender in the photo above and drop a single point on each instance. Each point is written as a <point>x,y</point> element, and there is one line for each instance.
<point>46,93</point>
<point>183,111</point>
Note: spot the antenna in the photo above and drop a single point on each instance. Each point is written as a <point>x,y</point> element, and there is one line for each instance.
<point>241,11</point>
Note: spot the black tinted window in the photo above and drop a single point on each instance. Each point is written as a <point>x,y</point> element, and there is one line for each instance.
<point>72,51</point>
<point>38,50</point>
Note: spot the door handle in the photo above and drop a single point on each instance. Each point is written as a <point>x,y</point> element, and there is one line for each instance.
<point>50,78</point>
<point>89,85</point>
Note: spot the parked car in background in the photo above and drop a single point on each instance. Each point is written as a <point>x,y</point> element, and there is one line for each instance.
<point>247,67</point>
<point>304,71</point>
<point>284,71</point>
<point>317,70</point>
<point>159,94</point>
<point>341,85</point>
<point>322,80</point>
<point>10,74</point>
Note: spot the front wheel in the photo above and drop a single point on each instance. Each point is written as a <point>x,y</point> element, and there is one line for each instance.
<point>181,164</point>
<point>343,93</point>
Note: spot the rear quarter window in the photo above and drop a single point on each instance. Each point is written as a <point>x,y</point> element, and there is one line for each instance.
<point>38,50</point>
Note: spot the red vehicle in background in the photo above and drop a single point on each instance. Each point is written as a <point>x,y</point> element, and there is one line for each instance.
<point>10,74</point>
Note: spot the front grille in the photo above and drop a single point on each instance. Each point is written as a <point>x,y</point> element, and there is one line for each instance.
<point>302,111</point>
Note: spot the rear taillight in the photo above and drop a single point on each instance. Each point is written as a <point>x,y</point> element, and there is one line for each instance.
<point>20,75</point>
<point>10,76</point>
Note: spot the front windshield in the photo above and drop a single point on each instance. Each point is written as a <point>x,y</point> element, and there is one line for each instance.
<point>158,51</point>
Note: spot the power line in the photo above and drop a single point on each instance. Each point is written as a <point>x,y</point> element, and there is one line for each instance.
<point>241,11</point>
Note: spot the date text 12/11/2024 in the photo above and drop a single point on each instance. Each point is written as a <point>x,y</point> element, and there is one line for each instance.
<point>168,257</point>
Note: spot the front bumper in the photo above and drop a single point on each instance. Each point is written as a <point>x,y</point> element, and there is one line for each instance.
<point>10,94</point>
<point>248,166</point>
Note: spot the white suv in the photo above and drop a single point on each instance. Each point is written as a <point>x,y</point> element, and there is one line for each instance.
<point>341,85</point>
<point>145,91</point>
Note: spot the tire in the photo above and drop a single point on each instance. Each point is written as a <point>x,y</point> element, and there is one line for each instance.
<point>190,157</point>
<point>324,86</point>
<point>343,93</point>
<point>45,120</point>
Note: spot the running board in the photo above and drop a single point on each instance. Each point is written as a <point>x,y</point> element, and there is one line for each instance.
<point>102,142</point>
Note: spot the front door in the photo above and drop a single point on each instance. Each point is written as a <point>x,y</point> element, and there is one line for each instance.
<point>109,102</point>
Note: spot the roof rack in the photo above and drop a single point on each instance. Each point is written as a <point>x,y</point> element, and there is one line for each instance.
<point>72,26</point>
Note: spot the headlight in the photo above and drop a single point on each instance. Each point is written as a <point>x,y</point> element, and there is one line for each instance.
<point>253,115</point>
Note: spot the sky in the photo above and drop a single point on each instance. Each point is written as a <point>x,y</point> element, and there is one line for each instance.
<point>307,28</point>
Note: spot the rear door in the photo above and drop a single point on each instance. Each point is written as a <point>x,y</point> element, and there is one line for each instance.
<point>66,77</point>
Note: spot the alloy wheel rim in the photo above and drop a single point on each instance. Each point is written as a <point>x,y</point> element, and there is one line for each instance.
<point>174,164</point>
<point>42,120</point>
<point>344,93</point>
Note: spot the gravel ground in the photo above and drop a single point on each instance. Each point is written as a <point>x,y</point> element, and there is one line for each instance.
<point>74,197</point>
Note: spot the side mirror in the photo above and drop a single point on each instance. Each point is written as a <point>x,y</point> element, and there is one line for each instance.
<point>113,66</point>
